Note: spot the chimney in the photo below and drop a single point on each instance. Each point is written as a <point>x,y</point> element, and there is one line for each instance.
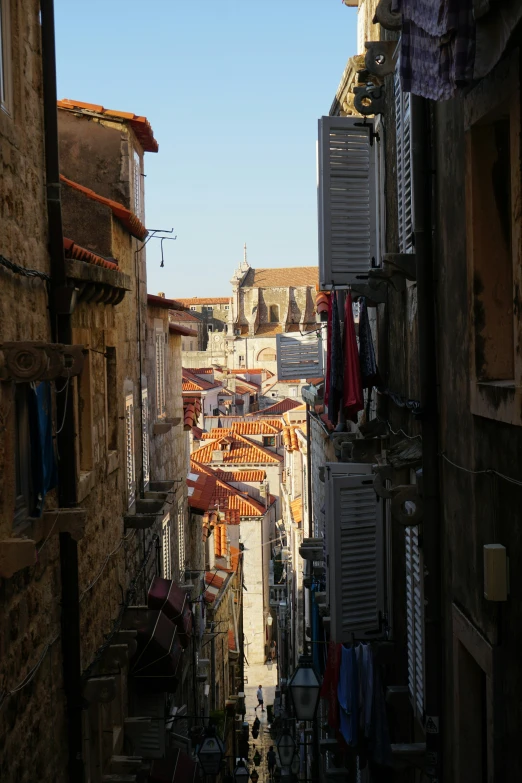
<point>162,294</point>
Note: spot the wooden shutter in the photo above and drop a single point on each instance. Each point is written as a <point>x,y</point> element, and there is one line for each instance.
<point>347,194</point>
<point>404,166</point>
<point>129,449</point>
<point>299,356</point>
<point>415,619</point>
<point>166,547</point>
<point>160,374</point>
<point>355,560</point>
<point>145,435</point>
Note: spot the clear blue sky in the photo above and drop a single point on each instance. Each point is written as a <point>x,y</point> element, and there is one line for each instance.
<point>233,90</point>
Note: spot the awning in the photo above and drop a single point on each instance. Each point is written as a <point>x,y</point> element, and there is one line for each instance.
<point>158,654</point>
<point>166,596</point>
<point>177,768</point>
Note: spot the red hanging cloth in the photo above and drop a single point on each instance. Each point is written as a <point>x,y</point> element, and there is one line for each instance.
<point>353,400</point>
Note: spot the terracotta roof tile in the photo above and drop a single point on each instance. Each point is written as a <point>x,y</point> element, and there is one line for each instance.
<point>178,329</point>
<point>200,300</point>
<point>233,503</point>
<point>192,382</point>
<point>321,301</point>
<point>184,315</point>
<point>284,277</point>
<point>290,438</point>
<point>140,125</point>
<point>268,330</point>
<point>242,451</point>
<point>133,225</point>
<point>191,411</point>
<point>258,427</point>
<point>231,641</point>
<point>241,476</point>
<point>296,509</point>
<point>73,250</point>
<point>279,407</point>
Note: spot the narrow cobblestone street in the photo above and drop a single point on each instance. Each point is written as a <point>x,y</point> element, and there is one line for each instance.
<point>258,674</point>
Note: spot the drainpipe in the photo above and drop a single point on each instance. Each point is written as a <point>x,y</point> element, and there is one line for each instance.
<point>61,305</point>
<point>424,182</point>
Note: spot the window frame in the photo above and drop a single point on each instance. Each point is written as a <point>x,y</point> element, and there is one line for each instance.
<point>145,442</point>
<point>499,400</point>
<point>271,438</point>
<point>181,537</point>
<point>6,74</point>
<point>137,183</point>
<point>166,547</point>
<point>161,393</point>
<point>130,454</point>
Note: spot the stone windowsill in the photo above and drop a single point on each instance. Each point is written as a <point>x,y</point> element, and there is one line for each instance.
<point>113,461</point>
<point>497,400</point>
<point>162,426</point>
<point>85,484</point>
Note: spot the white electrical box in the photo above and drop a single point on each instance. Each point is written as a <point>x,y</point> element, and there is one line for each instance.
<point>496,578</point>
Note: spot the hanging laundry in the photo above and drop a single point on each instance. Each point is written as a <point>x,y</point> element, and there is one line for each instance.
<point>348,695</point>
<point>331,682</point>
<point>437,46</point>
<point>334,365</point>
<point>369,372</point>
<point>43,460</point>
<point>352,387</point>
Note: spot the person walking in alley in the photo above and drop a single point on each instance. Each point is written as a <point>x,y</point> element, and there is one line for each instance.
<point>272,650</point>
<point>259,695</point>
<point>271,758</point>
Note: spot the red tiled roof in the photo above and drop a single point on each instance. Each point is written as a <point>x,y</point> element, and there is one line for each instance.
<point>133,225</point>
<point>242,451</point>
<point>216,432</point>
<point>233,503</point>
<point>279,407</point>
<point>231,641</point>
<point>234,557</point>
<point>296,509</point>
<point>192,382</point>
<point>177,329</point>
<point>241,476</point>
<point>197,432</point>
<point>195,300</point>
<point>268,330</point>
<point>160,301</point>
<point>202,370</point>
<point>283,277</point>
<point>290,438</point>
<point>191,411</point>
<point>257,427</point>
<point>214,579</point>
<point>73,250</point>
<point>184,315</point>
<point>321,301</point>
<point>140,125</point>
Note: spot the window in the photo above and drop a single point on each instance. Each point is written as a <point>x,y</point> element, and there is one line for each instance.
<point>6,87</point>
<point>269,440</point>
<point>129,449</point>
<point>191,346</point>
<point>415,619</point>
<point>84,412</point>
<point>348,169</point>
<point>111,387</point>
<point>145,435</point>
<point>493,232</point>
<point>160,375</point>
<point>210,328</point>
<point>299,356</point>
<point>227,307</point>
<point>209,308</point>
<point>23,475</point>
<point>266,355</point>
<point>181,539</point>
<point>192,307</point>
<point>294,390</point>
<point>274,314</point>
<point>166,548</point>
<point>138,185</point>
<point>404,165</point>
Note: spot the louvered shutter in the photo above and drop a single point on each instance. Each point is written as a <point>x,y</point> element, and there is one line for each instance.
<point>347,194</point>
<point>404,166</point>
<point>129,449</point>
<point>166,547</point>
<point>299,356</point>
<point>145,435</point>
<point>355,558</point>
<point>415,619</point>
<point>160,374</point>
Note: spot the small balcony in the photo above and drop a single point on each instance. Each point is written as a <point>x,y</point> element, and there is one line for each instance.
<point>277,595</point>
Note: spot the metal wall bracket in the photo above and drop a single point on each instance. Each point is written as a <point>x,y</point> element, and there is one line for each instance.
<point>407,493</point>
<point>379,58</point>
<point>27,362</point>
<point>375,295</point>
<point>404,263</point>
<point>369,100</point>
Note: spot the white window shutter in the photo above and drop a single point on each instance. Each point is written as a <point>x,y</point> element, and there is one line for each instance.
<point>145,435</point>
<point>415,619</point>
<point>129,448</point>
<point>355,559</point>
<point>404,166</point>
<point>166,547</point>
<point>299,356</point>
<point>160,374</point>
<point>347,193</point>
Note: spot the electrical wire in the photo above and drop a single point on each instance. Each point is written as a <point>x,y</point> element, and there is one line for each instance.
<point>21,270</point>
<point>485,471</point>
<point>399,431</point>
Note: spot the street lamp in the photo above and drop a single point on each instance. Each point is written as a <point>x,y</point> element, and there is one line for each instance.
<point>269,664</point>
<point>241,774</point>
<point>211,753</point>
<point>286,748</point>
<point>304,687</point>
<point>254,777</point>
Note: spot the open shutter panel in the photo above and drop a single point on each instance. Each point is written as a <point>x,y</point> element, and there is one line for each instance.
<point>129,447</point>
<point>404,166</point>
<point>355,558</point>
<point>347,193</point>
<point>415,619</point>
<point>145,435</point>
<point>299,356</point>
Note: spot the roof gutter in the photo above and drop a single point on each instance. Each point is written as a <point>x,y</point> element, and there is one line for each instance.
<point>61,306</point>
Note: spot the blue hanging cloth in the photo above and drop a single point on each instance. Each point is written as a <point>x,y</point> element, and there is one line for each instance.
<point>348,696</point>
<point>43,460</point>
